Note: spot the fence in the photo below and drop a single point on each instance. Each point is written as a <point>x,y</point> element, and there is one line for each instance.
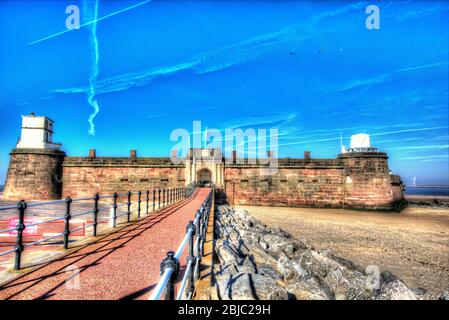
<point>163,198</point>
<point>170,266</point>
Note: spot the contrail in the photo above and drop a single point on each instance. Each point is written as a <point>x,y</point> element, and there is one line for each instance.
<point>91,22</point>
<point>94,64</point>
<point>287,38</point>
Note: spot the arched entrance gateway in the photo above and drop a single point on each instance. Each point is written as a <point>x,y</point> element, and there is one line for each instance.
<point>204,177</point>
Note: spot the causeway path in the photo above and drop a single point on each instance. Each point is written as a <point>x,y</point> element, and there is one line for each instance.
<point>124,264</point>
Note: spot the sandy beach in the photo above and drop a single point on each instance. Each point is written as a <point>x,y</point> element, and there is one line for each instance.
<point>413,244</point>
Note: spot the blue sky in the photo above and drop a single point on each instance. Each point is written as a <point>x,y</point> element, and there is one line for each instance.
<point>309,68</point>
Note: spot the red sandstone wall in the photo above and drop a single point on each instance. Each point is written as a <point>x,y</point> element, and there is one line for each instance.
<point>34,175</point>
<point>86,181</point>
<point>397,187</point>
<point>318,187</point>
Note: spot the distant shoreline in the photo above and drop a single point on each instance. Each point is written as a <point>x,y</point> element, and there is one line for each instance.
<point>429,191</point>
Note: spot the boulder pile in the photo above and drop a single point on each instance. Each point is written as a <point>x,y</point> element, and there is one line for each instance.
<point>258,262</point>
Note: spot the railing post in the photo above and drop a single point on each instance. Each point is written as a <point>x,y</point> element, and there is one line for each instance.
<point>171,196</point>
<point>202,234</point>
<point>67,217</point>
<point>139,200</point>
<point>129,206</point>
<point>159,199</point>
<point>163,198</point>
<point>20,227</point>
<point>191,258</point>
<point>170,262</point>
<point>94,225</point>
<point>148,200</point>
<point>154,198</point>
<point>114,206</point>
<point>197,249</point>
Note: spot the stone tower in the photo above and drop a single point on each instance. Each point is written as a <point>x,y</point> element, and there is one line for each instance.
<point>367,179</point>
<point>35,171</point>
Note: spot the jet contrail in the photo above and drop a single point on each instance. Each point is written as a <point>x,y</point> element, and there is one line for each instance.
<point>94,64</point>
<point>91,22</point>
<point>287,38</point>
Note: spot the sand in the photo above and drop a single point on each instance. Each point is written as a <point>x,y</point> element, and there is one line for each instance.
<point>413,244</point>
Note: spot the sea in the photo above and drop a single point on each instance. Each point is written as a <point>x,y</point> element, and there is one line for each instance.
<point>427,191</point>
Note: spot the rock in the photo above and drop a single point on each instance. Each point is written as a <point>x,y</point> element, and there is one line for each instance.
<point>391,288</point>
<point>249,265</point>
<point>289,269</point>
<point>308,262</point>
<point>444,295</point>
<point>228,254</point>
<point>301,244</point>
<point>250,237</point>
<point>275,243</point>
<point>250,286</point>
<point>269,271</point>
<point>310,288</point>
<point>228,270</point>
<point>261,256</point>
<point>257,262</point>
<point>347,285</point>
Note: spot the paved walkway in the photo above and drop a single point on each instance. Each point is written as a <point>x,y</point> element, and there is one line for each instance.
<point>122,265</point>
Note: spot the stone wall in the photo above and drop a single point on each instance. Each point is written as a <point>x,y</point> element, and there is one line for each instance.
<point>356,180</point>
<point>34,175</point>
<point>290,186</point>
<point>86,176</point>
<point>368,181</point>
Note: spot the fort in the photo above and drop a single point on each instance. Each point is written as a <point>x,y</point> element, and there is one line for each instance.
<point>357,178</point>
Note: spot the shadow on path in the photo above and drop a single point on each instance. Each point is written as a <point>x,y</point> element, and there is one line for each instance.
<point>117,238</point>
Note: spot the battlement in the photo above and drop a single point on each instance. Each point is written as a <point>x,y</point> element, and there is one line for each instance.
<point>117,162</point>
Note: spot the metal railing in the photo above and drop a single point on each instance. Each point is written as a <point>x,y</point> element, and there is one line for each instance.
<point>169,197</point>
<point>170,265</point>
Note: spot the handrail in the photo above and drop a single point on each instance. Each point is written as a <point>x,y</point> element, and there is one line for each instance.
<point>195,234</point>
<point>141,200</point>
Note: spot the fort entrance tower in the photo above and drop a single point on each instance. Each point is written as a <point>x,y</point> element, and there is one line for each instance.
<point>205,166</point>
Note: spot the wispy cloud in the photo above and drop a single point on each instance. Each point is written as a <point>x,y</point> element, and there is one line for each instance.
<point>259,121</point>
<point>381,78</point>
<point>153,116</point>
<point>425,147</point>
<point>409,130</point>
<point>93,21</point>
<point>437,156</point>
<point>247,51</point>
<point>337,138</point>
<point>226,57</point>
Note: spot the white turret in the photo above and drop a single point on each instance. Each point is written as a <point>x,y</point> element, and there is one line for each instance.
<point>361,143</point>
<point>37,133</point>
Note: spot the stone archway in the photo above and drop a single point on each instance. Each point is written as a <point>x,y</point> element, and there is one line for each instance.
<point>204,177</point>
